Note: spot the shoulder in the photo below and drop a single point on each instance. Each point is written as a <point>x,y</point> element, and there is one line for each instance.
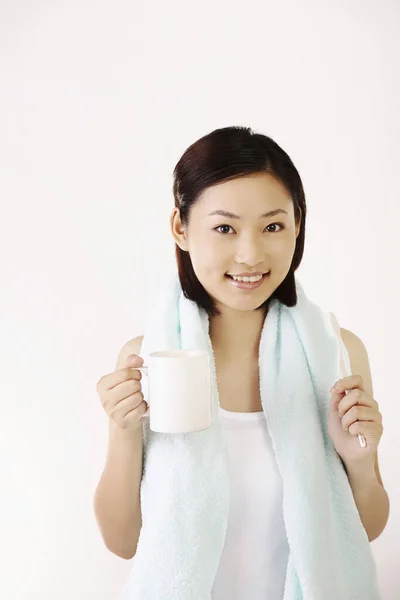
<point>349,337</point>
<point>358,356</point>
<point>132,346</point>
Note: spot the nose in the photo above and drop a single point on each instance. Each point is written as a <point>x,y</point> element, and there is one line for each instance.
<point>250,250</point>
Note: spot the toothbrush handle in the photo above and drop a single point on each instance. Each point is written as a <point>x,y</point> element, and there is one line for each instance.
<point>362,440</point>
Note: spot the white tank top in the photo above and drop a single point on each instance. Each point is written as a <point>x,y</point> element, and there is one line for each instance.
<point>254,559</point>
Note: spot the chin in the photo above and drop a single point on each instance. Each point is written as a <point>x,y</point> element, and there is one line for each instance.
<point>243,306</point>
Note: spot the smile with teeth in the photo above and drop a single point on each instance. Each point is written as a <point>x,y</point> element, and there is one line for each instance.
<point>247,279</point>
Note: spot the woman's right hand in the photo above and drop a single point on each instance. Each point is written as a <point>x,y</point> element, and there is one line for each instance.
<point>121,394</point>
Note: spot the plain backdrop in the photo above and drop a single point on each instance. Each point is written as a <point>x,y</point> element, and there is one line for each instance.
<point>98,100</point>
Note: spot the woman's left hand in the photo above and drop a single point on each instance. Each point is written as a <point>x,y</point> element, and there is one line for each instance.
<point>352,413</point>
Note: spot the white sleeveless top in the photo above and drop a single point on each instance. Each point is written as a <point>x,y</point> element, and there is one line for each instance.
<point>254,559</point>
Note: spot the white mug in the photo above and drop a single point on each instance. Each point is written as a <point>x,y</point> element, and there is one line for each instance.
<point>179,391</point>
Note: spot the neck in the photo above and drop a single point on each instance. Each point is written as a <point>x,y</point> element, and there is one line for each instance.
<point>237,334</point>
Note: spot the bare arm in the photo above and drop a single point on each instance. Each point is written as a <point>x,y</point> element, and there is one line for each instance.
<point>371,498</point>
<point>117,496</point>
<point>365,479</point>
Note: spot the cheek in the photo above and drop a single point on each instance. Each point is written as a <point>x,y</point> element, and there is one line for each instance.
<point>206,252</point>
<point>281,253</point>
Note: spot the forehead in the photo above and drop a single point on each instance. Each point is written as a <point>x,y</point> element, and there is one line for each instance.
<point>261,189</point>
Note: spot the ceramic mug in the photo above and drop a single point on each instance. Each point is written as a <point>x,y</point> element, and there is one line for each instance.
<point>179,390</point>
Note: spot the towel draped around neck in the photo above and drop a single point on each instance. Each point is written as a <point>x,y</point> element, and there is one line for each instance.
<point>185,486</point>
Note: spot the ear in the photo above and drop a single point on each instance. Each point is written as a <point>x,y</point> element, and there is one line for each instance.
<point>299,223</point>
<point>178,230</point>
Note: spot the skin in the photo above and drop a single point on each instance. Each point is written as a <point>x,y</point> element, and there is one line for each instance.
<point>247,244</point>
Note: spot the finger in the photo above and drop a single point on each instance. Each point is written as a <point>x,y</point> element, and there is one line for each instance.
<point>133,360</point>
<point>111,380</point>
<point>348,383</point>
<point>123,390</point>
<point>126,406</point>
<point>372,431</point>
<point>360,413</point>
<point>336,398</point>
<point>140,410</point>
<point>355,397</point>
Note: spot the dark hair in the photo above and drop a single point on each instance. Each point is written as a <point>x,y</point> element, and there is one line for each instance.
<point>222,155</point>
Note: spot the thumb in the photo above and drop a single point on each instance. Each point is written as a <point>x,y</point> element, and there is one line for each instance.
<point>134,360</point>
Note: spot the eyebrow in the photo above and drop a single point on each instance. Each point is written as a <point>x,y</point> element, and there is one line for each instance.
<point>229,215</point>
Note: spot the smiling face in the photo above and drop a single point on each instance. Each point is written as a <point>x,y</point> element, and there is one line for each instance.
<point>241,240</point>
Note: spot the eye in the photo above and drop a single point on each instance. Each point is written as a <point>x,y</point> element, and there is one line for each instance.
<point>220,227</point>
<point>281,225</point>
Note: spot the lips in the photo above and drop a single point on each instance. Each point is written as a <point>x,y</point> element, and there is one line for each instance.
<point>247,285</point>
<point>254,274</point>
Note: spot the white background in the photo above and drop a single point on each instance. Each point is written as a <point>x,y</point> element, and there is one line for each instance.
<point>98,101</point>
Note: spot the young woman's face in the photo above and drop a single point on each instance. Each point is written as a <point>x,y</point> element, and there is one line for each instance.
<point>249,242</point>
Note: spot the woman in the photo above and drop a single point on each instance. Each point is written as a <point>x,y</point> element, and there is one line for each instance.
<point>239,229</point>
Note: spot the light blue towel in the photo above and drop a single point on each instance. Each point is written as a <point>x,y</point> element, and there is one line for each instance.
<point>185,487</point>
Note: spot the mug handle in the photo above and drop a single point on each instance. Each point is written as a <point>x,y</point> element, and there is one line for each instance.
<point>144,370</point>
